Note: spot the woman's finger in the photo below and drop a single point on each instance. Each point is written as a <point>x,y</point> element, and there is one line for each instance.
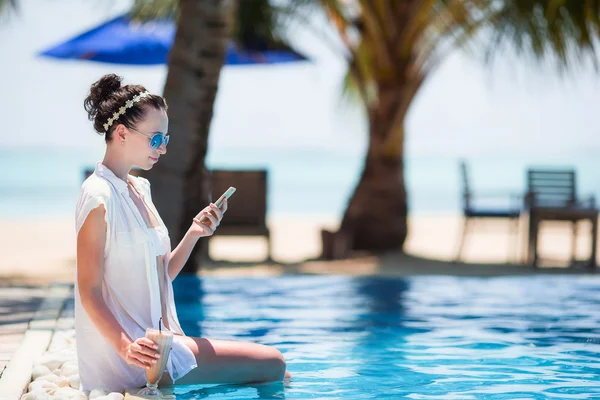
<point>202,225</point>
<point>205,226</point>
<point>146,359</point>
<point>217,211</point>
<point>202,219</point>
<point>139,354</point>
<point>203,211</point>
<point>131,358</point>
<point>145,350</point>
<point>147,342</point>
<point>213,220</point>
<point>224,205</point>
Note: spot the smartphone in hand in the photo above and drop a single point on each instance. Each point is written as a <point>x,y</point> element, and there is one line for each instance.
<point>219,201</point>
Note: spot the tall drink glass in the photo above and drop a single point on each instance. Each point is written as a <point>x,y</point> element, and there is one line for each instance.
<point>163,339</point>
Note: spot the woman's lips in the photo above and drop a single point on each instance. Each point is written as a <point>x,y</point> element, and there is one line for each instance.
<point>154,159</point>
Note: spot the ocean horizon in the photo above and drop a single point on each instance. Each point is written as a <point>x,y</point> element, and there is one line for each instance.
<point>41,182</point>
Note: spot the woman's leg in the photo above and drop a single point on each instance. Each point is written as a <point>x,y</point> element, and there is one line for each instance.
<point>227,361</point>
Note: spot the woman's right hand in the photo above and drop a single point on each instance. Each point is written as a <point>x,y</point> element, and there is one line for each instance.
<point>141,352</point>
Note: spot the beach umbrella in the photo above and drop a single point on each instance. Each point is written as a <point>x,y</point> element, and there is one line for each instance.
<point>126,41</point>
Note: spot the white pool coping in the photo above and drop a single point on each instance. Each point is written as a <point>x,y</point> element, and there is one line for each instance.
<point>17,375</point>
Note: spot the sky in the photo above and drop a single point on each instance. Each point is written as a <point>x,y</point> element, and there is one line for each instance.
<point>465,108</point>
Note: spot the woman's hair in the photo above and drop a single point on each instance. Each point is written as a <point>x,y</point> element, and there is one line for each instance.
<point>107,96</point>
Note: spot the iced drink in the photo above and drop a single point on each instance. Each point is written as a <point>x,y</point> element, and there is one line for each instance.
<point>163,339</point>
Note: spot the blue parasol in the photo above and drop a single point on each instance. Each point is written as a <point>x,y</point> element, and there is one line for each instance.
<point>125,41</point>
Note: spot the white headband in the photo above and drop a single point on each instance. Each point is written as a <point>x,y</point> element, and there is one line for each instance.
<point>128,104</point>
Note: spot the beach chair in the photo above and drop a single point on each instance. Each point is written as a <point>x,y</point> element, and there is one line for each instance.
<point>510,209</point>
<point>247,215</point>
<point>552,196</point>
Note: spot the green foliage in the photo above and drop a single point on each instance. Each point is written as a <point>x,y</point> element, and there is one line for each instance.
<point>8,6</point>
<point>392,42</point>
<point>150,9</point>
<point>563,32</point>
<point>255,24</point>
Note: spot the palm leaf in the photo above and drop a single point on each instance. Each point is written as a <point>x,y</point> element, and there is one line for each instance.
<point>562,32</point>
<point>255,24</point>
<point>151,9</point>
<point>8,6</point>
<point>8,3</point>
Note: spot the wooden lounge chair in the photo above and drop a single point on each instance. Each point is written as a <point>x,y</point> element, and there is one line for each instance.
<point>510,211</point>
<point>247,213</point>
<point>552,196</point>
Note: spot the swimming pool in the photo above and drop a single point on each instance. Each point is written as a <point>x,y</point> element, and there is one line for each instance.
<point>420,338</point>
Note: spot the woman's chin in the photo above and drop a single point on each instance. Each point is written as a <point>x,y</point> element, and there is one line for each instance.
<point>146,167</point>
<point>148,164</point>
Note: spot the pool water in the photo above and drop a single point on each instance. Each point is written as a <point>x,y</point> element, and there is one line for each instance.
<point>420,338</point>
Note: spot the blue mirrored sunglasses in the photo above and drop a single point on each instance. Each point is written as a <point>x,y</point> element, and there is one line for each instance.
<point>155,140</point>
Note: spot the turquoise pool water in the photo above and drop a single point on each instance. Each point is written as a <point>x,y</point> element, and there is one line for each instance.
<point>421,338</point>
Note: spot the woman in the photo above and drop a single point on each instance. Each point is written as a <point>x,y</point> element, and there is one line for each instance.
<point>125,266</point>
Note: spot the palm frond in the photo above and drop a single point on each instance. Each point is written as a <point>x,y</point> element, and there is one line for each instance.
<point>7,7</point>
<point>255,24</point>
<point>256,27</point>
<point>151,9</point>
<point>562,32</point>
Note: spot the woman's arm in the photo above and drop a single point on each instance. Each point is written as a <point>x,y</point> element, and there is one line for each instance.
<point>182,252</point>
<point>91,240</point>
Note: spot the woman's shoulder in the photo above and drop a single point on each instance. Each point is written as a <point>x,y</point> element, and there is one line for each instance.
<point>96,186</point>
<point>95,191</point>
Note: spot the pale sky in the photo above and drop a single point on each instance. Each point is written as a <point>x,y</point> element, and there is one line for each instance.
<point>464,109</point>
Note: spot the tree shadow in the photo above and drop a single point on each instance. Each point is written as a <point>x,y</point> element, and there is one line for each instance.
<point>18,303</point>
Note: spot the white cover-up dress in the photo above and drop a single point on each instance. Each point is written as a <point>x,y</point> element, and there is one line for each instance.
<point>130,285</point>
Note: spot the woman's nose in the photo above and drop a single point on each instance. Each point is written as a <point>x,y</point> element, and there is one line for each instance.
<point>162,149</point>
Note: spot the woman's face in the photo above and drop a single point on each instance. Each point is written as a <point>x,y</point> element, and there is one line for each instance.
<point>138,146</point>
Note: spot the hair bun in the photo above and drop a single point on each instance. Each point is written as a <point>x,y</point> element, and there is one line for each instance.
<point>100,92</point>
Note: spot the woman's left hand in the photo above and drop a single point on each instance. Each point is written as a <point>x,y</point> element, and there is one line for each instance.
<point>213,216</point>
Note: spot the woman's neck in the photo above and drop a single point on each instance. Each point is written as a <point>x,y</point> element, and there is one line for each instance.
<point>116,164</point>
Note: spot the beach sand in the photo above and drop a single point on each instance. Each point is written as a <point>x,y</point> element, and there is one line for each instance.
<point>43,250</point>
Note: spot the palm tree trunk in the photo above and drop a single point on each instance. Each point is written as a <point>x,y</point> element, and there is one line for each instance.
<point>376,216</point>
<point>180,187</point>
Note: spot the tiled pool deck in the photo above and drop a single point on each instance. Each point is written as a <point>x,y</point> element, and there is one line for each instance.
<point>28,317</point>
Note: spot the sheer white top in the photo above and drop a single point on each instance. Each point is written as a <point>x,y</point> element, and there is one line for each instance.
<point>130,285</point>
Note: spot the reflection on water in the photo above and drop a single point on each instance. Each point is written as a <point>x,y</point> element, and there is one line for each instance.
<point>422,338</point>
<point>273,390</point>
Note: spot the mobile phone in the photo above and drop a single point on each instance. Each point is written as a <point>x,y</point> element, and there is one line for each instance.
<point>219,202</point>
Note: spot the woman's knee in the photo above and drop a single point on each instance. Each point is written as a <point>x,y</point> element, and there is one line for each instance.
<point>276,365</point>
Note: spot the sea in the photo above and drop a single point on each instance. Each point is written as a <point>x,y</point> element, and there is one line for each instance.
<point>41,182</point>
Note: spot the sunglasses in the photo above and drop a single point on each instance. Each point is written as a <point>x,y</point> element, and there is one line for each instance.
<point>155,140</point>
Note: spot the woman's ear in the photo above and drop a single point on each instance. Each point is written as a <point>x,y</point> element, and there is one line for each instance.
<point>120,132</point>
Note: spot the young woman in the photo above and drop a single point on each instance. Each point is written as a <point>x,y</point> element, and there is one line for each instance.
<point>125,265</point>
